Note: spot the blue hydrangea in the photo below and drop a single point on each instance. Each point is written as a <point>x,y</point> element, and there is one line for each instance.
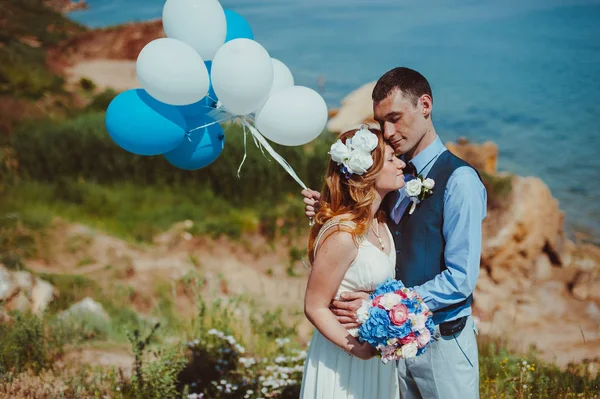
<point>413,305</point>
<point>389,285</point>
<point>399,331</point>
<point>375,329</point>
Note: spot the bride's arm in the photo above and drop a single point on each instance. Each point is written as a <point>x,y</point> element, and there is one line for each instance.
<point>333,258</point>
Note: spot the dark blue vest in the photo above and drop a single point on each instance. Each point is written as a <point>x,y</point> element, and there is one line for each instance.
<point>419,238</point>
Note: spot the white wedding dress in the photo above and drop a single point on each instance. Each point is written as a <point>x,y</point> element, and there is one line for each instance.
<point>329,372</point>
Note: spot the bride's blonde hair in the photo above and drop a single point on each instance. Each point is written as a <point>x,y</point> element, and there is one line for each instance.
<point>351,198</point>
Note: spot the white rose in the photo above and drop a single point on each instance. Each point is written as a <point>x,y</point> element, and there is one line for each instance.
<point>364,140</point>
<point>362,314</point>
<point>389,300</point>
<point>410,350</point>
<point>413,187</point>
<point>429,183</point>
<point>424,338</point>
<point>359,162</point>
<point>418,321</point>
<point>339,152</point>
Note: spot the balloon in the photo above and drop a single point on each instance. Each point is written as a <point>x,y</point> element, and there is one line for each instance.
<point>201,149</point>
<point>142,125</point>
<point>242,75</point>
<point>282,76</point>
<point>199,23</point>
<point>172,72</point>
<point>196,109</point>
<point>293,116</point>
<point>211,99</point>
<point>282,79</point>
<point>237,27</point>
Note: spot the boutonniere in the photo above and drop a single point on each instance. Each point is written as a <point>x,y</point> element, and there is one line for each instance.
<point>418,189</point>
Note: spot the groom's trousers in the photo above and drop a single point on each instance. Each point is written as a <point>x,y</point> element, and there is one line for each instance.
<point>449,369</point>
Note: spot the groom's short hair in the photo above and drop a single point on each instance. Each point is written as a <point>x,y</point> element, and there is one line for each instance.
<point>412,84</point>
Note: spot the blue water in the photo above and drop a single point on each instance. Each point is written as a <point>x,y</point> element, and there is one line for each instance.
<point>524,74</point>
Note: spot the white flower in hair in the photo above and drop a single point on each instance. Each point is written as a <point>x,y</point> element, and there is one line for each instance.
<point>354,156</point>
<point>339,152</point>
<point>359,162</point>
<point>364,140</point>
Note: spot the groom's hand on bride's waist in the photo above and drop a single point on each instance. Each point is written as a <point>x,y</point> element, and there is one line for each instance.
<point>345,308</point>
<point>311,200</point>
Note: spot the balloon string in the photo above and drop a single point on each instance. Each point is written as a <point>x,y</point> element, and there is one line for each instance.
<point>243,159</point>
<point>211,123</point>
<point>286,166</point>
<point>213,99</point>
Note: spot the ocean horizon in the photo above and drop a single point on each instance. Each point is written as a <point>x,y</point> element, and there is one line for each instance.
<point>525,75</point>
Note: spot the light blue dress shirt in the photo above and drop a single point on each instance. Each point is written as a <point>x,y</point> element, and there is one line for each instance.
<point>465,201</point>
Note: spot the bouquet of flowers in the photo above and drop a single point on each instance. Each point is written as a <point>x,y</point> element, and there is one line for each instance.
<point>396,321</point>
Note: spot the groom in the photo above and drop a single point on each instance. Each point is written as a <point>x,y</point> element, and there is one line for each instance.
<point>438,246</point>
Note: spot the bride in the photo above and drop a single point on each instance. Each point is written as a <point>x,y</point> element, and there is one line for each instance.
<point>351,249</point>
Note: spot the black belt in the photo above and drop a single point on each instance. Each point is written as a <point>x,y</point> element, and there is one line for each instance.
<point>453,327</point>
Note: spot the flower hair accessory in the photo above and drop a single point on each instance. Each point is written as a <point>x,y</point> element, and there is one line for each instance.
<point>354,157</point>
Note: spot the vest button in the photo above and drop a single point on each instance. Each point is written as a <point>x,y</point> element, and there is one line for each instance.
<point>397,252</point>
<point>397,233</point>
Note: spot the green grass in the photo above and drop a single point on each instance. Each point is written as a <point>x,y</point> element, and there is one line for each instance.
<point>135,212</point>
<point>23,73</point>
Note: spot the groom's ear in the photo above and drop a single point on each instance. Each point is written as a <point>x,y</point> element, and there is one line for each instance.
<point>425,105</point>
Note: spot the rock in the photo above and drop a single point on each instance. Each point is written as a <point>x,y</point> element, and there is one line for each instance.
<point>357,107</point>
<point>482,157</point>
<point>65,6</point>
<point>85,308</point>
<point>41,295</point>
<point>542,267</point>
<point>586,286</point>
<point>123,42</point>
<point>19,290</point>
<point>531,226</point>
<point>19,302</point>
<point>8,285</point>
<point>23,280</point>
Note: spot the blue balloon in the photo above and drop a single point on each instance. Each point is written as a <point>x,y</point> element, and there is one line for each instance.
<point>237,27</point>
<point>142,125</point>
<point>201,147</point>
<point>196,109</point>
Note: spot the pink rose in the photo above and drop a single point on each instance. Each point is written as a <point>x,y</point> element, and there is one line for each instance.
<point>408,339</point>
<point>377,300</point>
<point>423,338</point>
<point>399,314</point>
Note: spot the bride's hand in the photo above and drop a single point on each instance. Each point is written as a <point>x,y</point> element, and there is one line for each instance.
<point>311,199</point>
<point>345,309</point>
<point>365,351</point>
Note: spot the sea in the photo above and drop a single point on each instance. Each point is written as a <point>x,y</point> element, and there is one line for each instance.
<point>524,74</point>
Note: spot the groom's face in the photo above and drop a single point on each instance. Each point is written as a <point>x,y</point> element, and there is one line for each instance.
<point>403,124</point>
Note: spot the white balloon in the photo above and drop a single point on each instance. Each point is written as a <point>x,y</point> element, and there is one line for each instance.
<point>242,75</point>
<point>199,23</point>
<point>172,72</point>
<point>293,116</point>
<point>282,76</point>
<point>282,79</point>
